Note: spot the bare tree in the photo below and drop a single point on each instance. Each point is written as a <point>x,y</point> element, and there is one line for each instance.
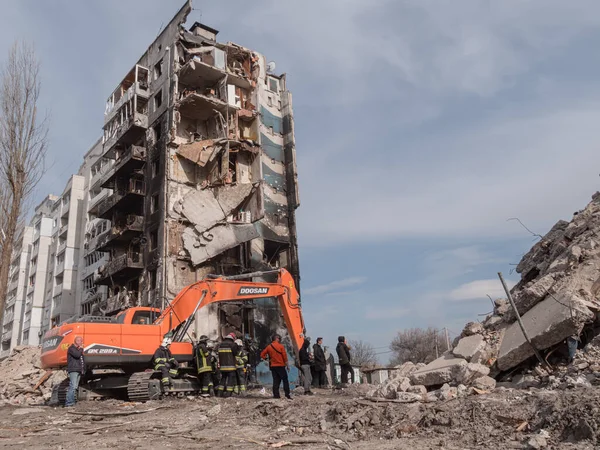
<point>417,345</point>
<point>23,145</point>
<point>363,354</point>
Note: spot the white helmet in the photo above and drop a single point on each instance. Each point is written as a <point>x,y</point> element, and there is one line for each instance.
<point>166,342</point>
<point>239,342</point>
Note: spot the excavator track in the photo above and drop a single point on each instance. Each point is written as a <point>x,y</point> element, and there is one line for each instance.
<point>142,388</point>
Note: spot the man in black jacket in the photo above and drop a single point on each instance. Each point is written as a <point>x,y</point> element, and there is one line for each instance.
<point>320,363</point>
<point>345,359</point>
<point>227,351</point>
<point>75,368</point>
<point>304,354</point>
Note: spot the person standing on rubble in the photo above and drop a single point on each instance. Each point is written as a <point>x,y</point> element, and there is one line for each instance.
<point>166,364</point>
<point>345,359</point>
<point>304,354</point>
<point>75,368</point>
<point>227,351</point>
<point>204,367</point>
<point>320,363</point>
<point>278,363</point>
<point>241,360</point>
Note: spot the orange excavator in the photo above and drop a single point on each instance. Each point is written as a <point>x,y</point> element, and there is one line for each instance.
<point>122,346</point>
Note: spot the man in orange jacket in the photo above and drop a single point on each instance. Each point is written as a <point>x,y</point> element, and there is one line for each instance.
<point>278,363</point>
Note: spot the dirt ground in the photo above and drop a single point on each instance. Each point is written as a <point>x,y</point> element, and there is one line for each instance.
<point>335,419</point>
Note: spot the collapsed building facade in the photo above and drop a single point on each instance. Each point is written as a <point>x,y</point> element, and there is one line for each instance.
<point>201,177</point>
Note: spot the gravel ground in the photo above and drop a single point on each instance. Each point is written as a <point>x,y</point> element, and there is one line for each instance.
<point>332,419</point>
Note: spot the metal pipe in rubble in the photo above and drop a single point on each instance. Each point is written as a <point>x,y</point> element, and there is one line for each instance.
<point>512,303</point>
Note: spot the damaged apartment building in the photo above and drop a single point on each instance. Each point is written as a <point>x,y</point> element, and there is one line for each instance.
<point>200,170</point>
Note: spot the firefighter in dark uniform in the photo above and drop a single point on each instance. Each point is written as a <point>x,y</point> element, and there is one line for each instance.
<point>166,364</point>
<point>214,363</point>
<point>227,351</point>
<point>241,361</point>
<point>204,367</point>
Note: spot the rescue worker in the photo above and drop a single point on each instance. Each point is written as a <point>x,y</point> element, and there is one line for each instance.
<point>204,367</point>
<point>214,364</point>
<point>241,360</point>
<point>227,351</point>
<point>164,361</point>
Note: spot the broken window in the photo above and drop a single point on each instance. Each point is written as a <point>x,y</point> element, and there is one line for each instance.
<point>157,132</point>
<point>152,279</point>
<point>158,69</point>
<point>273,85</point>
<point>153,239</point>
<point>154,168</point>
<point>154,204</point>
<point>269,101</point>
<point>158,100</point>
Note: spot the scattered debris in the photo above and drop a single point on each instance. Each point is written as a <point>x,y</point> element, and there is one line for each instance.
<point>23,381</point>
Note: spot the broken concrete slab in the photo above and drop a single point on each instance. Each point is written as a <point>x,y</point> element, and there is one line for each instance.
<point>205,209</point>
<point>468,346</point>
<point>442,370</point>
<point>547,323</point>
<point>418,389</point>
<point>531,295</point>
<point>202,247</point>
<point>404,370</point>
<point>403,385</point>
<point>485,383</point>
<point>199,152</point>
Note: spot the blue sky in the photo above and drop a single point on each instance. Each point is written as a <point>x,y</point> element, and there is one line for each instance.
<point>421,128</point>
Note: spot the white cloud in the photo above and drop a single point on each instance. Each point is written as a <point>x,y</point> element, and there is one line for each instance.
<point>334,286</point>
<point>480,289</point>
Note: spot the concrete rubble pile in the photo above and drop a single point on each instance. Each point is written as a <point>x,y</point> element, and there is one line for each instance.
<point>23,381</point>
<point>557,298</point>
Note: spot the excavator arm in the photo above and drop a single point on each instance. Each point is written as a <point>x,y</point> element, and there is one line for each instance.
<point>177,317</point>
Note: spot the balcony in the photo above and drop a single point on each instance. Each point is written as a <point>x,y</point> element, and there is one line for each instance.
<point>65,209</point>
<point>127,160</point>
<point>94,202</point>
<point>14,284</point>
<point>63,230</point>
<point>11,299</point>
<point>61,247</point>
<point>7,336</point>
<point>123,230</point>
<point>125,197</point>
<point>58,289</point>
<point>124,299</point>
<point>121,268</point>
<point>127,126</point>
<point>133,87</point>
<point>59,268</point>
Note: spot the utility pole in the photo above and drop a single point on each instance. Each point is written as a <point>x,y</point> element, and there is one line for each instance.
<point>436,346</point>
<point>447,339</point>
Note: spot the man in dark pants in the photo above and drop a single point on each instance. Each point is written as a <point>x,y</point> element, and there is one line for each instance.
<point>204,367</point>
<point>320,363</point>
<point>344,357</point>
<point>304,355</point>
<point>278,363</point>
<point>166,364</point>
<point>75,368</point>
<point>227,351</point>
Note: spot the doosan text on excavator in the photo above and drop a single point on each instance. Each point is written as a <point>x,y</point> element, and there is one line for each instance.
<point>125,347</point>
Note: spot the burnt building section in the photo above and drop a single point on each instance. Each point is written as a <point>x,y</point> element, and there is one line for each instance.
<point>202,179</point>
